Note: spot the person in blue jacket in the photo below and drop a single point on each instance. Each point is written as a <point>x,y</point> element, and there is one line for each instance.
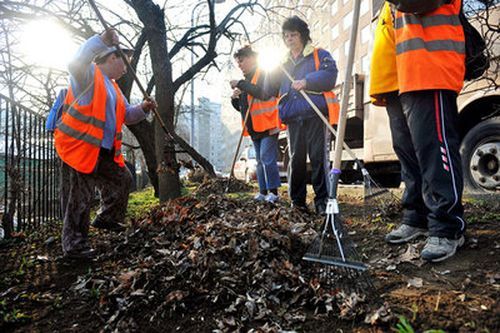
<point>307,134</point>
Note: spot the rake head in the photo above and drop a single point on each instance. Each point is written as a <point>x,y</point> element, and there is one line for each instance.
<point>332,246</point>
<point>336,263</point>
<point>336,278</point>
<point>379,202</point>
<point>326,251</point>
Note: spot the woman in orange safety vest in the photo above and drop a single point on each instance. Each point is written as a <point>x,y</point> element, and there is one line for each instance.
<point>263,124</point>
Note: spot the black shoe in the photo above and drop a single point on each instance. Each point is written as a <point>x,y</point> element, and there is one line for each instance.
<point>321,208</point>
<point>86,254</point>
<point>111,226</point>
<point>300,207</point>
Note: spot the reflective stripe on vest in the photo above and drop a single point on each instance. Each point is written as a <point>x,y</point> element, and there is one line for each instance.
<point>83,118</point>
<point>430,49</point>
<point>330,97</point>
<point>431,46</point>
<point>264,114</point>
<point>427,21</point>
<point>79,133</point>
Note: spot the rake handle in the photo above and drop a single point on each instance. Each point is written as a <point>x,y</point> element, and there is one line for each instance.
<point>323,118</point>
<point>247,114</point>
<point>129,67</point>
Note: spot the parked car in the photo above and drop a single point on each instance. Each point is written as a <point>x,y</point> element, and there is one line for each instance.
<point>245,167</point>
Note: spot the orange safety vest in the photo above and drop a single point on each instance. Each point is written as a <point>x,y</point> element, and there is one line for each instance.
<point>331,100</point>
<point>79,135</point>
<point>430,49</point>
<point>264,114</point>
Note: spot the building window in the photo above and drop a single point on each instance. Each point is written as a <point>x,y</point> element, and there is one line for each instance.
<point>315,26</point>
<point>365,34</point>
<point>335,31</point>
<point>365,64</point>
<point>365,6</point>
<point>347,21</point>
<point>324,29</point>
<point>309,13</point>
<point>335,7</point>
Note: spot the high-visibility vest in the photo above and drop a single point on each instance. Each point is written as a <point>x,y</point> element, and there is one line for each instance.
<point>430,49</point>
<point>383,74</point>
<point>264,114</point>
<point>79,134</point>
<point>331,100</point>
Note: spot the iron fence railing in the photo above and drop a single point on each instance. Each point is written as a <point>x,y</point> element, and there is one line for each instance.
<point>29,169</point>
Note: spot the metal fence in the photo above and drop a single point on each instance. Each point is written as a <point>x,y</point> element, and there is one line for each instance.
<point>29,168</point>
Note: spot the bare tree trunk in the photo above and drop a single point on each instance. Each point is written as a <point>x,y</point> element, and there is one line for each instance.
<point>153,19</point>
<point>144,132</point>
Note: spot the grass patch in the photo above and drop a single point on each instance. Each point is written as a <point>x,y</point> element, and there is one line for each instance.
<point>488,204</point>
<point>188,187</point>
<point>141,202</point>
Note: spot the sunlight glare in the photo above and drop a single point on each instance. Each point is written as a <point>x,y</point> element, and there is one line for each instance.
<point>46,43</point>
<point>270,57</point>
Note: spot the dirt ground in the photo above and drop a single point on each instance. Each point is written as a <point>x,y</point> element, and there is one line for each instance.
<point>152,292</point>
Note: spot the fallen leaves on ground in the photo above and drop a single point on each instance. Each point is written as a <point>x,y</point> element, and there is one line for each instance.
<point>240,259</point>
<point>220,186</point>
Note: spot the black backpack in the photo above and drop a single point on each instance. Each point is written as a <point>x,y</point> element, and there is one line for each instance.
<point>476,56</point>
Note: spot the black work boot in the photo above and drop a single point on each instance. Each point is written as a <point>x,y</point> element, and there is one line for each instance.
<point>111,226</point>
<point>80,254</point>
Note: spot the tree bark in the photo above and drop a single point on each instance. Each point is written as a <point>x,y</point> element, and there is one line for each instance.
<point>144,133</point>
<point>153,19</point>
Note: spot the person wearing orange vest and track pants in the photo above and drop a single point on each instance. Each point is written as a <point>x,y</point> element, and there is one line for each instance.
<point>88,140</point>
<point>315,72</point>
<point>429,51</point>
<point>262,125</point>
<point>384,92</point>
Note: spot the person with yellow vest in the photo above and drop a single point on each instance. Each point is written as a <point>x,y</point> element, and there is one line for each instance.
<point>88,139</point>
<point>315,72</point>
<point>262,125</point>
<point>426,52</point>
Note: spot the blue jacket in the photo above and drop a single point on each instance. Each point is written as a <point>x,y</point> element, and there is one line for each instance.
<point>292,105</point>
<point>56,111</point>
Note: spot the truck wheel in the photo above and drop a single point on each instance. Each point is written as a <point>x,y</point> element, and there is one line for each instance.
<point>480,150</point>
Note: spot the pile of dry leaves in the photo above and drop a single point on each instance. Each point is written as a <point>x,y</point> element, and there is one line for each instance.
<point>221,185</point>
<point>238,260</point>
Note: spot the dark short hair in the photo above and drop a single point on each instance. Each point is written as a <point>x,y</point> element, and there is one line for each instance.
<point>245,52</point>
<point>295,23</point>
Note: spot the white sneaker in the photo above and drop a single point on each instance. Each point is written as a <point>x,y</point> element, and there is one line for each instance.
<point>259,197</point>
<point>271,197</point>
